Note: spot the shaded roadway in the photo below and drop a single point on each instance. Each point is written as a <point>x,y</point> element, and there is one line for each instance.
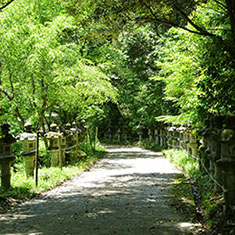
<point>124,193</point>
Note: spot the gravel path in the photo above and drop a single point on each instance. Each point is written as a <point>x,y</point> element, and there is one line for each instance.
<point>124,193</point>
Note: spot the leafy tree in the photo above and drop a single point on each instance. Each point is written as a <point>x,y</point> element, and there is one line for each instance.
<point>199,76</point>
<point>41,70</point>
<point>172,13</point>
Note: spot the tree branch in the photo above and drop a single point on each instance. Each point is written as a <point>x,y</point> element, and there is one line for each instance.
<point>6,94</point>
<point>221,4</point>
<point>170,23</point>
<point>11,83</point>
<point>231,14</point>
<point>8,3</point>
<point>20,116</point>
<point>200,29</point>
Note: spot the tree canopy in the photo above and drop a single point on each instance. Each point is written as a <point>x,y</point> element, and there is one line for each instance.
<point>171,60</point>
<point>42,71</point>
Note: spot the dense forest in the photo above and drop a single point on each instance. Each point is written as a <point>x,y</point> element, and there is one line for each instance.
<point>150,60</point>
<point>163,70</point>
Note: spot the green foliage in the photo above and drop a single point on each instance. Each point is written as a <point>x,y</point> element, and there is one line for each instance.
<point>42,71</point>
<point>211,202</point>
<point>150,145</point>
<point>188,164</point>
<point>198,72</point>
<point>23,188</point>
<point>17,148</point>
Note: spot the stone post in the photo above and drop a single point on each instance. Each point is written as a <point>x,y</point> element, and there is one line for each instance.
<point>169,137</point>
<point>53,137</point>
<point>140,132</point>
<point>6,157</point>
<point>125,132</point>
<point>119,134</point>
<point>181,131</point>
<point>156,133</point>
<point>109,134</point>
<point>164,135</point>
<point>193,144</point>
<point>227,164</point>
<point>150,135</point>
<point>29,140</point>
<point>161,136</point>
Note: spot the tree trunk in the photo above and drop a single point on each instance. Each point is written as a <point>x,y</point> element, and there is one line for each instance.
<point>231,13</point>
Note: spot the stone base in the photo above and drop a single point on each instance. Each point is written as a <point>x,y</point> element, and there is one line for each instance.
<point>6,171</point>
<point>29,165</point>
<point>54,157</point>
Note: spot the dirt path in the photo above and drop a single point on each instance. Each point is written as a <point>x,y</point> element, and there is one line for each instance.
<point>125,193</point>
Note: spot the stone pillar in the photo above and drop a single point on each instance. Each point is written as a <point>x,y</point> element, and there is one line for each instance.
<point>164,136</point>
<point>140,132</point>
<point>6,157</point>
<point>227,164</point>
<point>53,137</point>
<point>173,137</point>
<point>109,134</point>
<point>119,134</point>
<point>161,136</point>
<point>63,148</point>
<point>185,140</point>
<point>181,131</point>
<point>169,137</point>
<point>193,144</point>
<point>29,144</point>
<point>150,135</point>
<point>156,133</point>
<point>5,164</point>
<point>124,133</point>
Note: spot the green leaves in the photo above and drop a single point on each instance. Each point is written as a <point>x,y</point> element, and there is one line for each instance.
<point>41,70</point>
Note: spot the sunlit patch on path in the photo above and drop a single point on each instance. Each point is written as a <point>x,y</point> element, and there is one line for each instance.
<point>125,193</point>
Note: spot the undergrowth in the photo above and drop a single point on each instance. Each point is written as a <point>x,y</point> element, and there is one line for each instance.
<point>209,203</point>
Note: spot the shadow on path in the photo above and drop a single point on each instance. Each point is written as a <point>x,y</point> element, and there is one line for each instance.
<point>125,193</point>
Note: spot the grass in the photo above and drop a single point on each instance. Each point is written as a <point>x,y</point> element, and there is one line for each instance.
<point>24,188</point>
<point>211,203</point>
<point>182,196</point>
<point>188,164</point>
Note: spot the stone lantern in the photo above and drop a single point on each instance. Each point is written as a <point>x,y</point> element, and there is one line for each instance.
<point>74,139</point>
<point>140,132</point>
<point>109,132</point>
<point>62,143</point>
<point>119,134</point>
<point>6,157</point>
<point>87,137</point>
<point>161,136</point>
<point>124,132</point>
<point>29,140</point>
<point>68,134</point>
<point>156,133</point>
<point>172,137</point>
<point>74,131</point>
<point>53,137</point>
<point>150,134</point>
<point>181,131</point>
<point>169,137</point>
<point>227,164</point>
<point>164,138</point>
<point>193,146</point>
